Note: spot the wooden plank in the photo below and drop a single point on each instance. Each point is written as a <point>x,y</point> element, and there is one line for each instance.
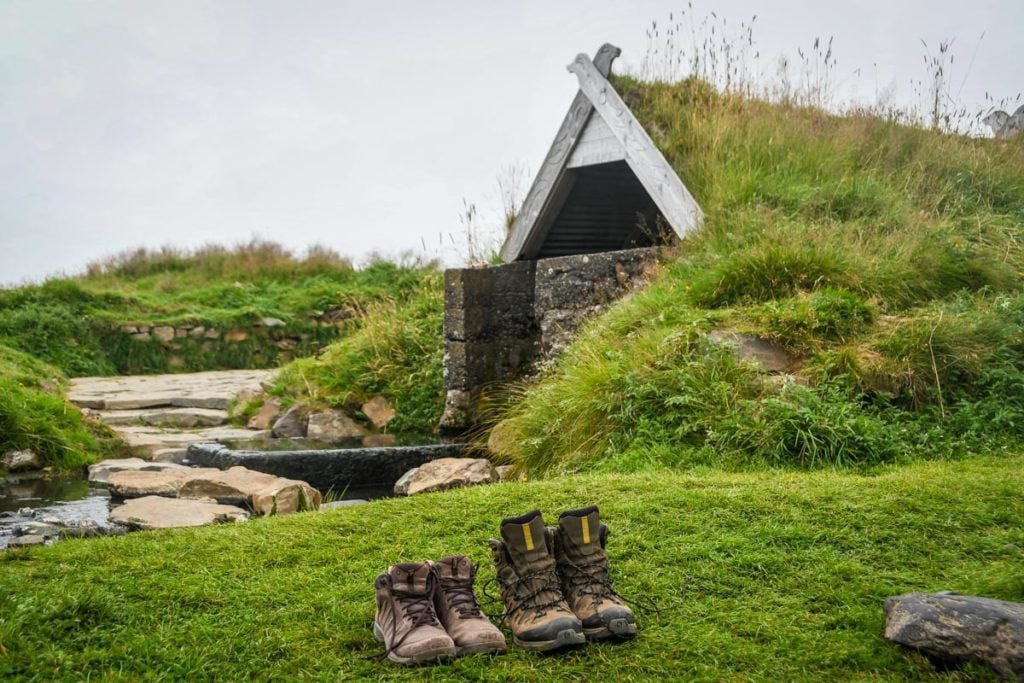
<point>658,178</point>
<point>554,165</point>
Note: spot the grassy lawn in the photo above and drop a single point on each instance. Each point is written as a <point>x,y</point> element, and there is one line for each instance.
<point>771,575</point>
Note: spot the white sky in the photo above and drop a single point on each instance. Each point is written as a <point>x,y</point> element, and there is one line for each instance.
<point>359,126</point>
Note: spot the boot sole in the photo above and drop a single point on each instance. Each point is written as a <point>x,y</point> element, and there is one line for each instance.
<point>427,657</point>
<point>566,638</point>
<point>480,649</point>
<point>616,628</point>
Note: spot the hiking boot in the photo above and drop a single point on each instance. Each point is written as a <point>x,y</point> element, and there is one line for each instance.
<point>534,607</point>
<point>582,563</point>
<point>458,610</point>
<point>406,622</point>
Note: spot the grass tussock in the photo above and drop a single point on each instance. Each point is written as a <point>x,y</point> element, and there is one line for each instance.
<point>396,352</point>
<point>35,416</point>
<point>737,576</point>
<point>886,259</point>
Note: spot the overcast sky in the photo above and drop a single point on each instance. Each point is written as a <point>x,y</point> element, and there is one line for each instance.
<point>360,126</point>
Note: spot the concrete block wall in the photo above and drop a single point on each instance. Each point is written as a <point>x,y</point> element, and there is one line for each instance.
<point>501,320</point>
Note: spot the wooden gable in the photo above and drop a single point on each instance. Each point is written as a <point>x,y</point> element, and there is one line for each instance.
<point>603,185</point>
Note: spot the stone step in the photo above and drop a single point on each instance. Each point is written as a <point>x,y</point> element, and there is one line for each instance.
<point>149,441</point>
<point>193,390</point>
<point>185,418</point>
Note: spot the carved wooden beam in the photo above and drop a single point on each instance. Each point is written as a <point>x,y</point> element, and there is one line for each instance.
<point>651,169</point>
<point>555,162</point>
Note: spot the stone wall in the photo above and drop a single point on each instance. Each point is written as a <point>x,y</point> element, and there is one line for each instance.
<point>502,320</point>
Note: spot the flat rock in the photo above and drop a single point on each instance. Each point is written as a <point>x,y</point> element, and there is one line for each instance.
<point>447,473</point>
<point>21,461</point>
<point>333,425</point>
<point>157,512</point>
<point>292,424</point>
<point>149,440</point>
<point>265,493</point>
<point>766,355</point>
<point>26,540</point>
<point>379,411</point>
<point>166,417</point>
<point>951,627</point>
<point>165,482</point>
<point>198,390</point>
<point>100,472</point>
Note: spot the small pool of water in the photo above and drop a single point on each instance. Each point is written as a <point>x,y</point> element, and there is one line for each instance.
<point>67,498</point>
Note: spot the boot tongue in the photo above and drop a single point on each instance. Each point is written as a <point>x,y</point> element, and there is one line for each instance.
<point>455,567</point>
<point>526,543</point>
<point>583,530</point>
<point>410,577</point>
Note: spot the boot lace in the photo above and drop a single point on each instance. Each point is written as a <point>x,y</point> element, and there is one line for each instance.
<point>418,608</point>
<point>459,594</point>
<point>588,578</point>
<point>528,592</point>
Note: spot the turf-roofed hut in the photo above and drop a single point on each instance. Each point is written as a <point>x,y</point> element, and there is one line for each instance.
<point>603,202</point>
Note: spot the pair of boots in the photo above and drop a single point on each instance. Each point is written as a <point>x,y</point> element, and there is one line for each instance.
<point>555,581</point>
<point>427,612</point>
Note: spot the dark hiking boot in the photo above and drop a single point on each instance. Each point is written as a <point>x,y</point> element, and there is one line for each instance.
<point>582,563</point>
<point>458,610</point>
<point>534,607</point>
<point>406,622</point>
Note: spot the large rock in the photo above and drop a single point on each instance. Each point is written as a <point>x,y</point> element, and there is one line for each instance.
<point>292,424</point>
<point>762,353</point>
<point>952,627</point>
<point>446,473</point>
<point>379,411</point>
<point>157,512</point>
<point>265,493</point>
<point>99,473</point>
<point>404,481</point>
<point>21,461</point>
<point>166,482</point>
<point>333,425</point>
<point>265,416</point>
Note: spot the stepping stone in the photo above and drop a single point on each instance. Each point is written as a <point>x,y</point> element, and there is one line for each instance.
<point>157,512</point>
<point>198,390</point>
<point>148,441</point>
<point>99,473</point>
<point>267,494</point>
<point>166,417</point>
<point>165,482</point>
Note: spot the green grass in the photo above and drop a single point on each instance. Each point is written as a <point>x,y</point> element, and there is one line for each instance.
<point>887,259</point>
<point>35,416</point>
<point>772,575</point>
<point>75,322</point>
<point>396,352</point>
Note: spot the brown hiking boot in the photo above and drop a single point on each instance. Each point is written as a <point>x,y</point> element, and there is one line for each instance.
<point>580,540</point>
<point>458,610</point>
<point>405,620</point>
<point>534,607</point>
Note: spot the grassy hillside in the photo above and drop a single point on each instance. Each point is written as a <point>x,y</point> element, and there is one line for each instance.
<point>886,259</point>
<point>78,323</point>
<point>34,415</point>
<point>749,576</point>
<point>397,351</point>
